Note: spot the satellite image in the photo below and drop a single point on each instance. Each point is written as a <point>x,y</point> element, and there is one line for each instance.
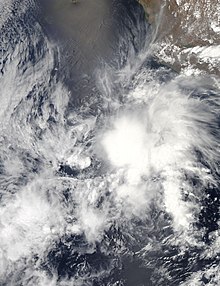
<point>109,143</point>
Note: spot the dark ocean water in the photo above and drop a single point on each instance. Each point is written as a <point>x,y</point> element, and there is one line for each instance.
<point>109,161</point>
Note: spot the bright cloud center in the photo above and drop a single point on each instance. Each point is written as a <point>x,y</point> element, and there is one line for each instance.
<point>124,144</point>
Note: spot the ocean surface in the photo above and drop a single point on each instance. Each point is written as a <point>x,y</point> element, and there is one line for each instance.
<point>109,161</point>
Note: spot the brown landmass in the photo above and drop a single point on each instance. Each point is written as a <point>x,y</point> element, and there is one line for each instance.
<point>182,25</point>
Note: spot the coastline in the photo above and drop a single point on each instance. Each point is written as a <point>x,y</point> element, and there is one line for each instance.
<point>186,34</point>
